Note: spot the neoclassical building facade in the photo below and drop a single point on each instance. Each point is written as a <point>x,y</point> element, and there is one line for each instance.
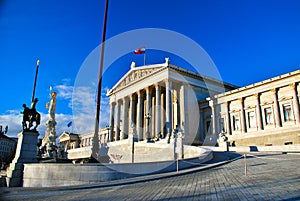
<point>262,114</point>
<point>152,101</point>
<point>155,99</point>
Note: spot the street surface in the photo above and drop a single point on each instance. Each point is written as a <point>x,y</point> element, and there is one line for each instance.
<point>269,177</point>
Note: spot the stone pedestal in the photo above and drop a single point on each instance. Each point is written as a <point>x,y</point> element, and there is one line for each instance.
<point>26,153</point>
<point>132,138</point>
<point>178,145</point>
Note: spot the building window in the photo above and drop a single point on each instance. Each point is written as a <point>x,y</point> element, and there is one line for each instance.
<point>208,126</point>
<point>288,115</point>
<point>222,125</point>
<point>251,119</point>
<point>236,122</point>
<point>269,116</point>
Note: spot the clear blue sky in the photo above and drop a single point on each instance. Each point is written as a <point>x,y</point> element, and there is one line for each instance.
<point>248,41</point>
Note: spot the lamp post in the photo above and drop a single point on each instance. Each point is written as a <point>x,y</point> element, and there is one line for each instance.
<point>108,128</point>
<point>147,116</point>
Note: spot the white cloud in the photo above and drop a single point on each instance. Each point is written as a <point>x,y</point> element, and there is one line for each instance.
<point>82,100</point>
<point>64,91</point>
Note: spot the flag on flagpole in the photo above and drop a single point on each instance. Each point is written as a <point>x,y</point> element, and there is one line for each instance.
<point>69,124</point>
<point>141,50</point>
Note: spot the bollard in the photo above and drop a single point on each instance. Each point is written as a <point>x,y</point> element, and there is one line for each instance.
<point>245,164</point>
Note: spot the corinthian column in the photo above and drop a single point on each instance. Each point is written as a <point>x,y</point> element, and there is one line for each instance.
<point>132,110</point>
<point>243,115</point>
<point>228,125</point>
<point>276,108</point>
<point>169,107</point>
<point>157,110</point>
<point>139,120</point>
<point>258,112</point>
<point>148,113</point>
<point>125,118</point>
<point>118,120</point>
<point>295,102</point>
<point>112,122</point>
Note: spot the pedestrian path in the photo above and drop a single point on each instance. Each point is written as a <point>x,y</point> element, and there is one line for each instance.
<point>269,177</point>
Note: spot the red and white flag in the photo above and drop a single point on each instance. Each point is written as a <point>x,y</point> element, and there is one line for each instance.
<point>141,50</point>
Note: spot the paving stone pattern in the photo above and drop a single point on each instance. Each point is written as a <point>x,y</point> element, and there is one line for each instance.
<point>270,177</point>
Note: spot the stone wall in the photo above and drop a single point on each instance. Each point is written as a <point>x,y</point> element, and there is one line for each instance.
<point>50,175</point>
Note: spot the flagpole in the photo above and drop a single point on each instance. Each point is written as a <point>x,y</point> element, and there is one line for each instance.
<point>95,149</point>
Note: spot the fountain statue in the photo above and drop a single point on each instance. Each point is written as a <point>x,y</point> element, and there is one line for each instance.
<point>48,148</point>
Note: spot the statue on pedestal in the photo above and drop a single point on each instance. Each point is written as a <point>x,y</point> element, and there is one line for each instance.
<point>30,115</point>
<point>48,148</point>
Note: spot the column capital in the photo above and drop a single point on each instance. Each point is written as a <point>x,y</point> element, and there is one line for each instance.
<point>125,98</point>
<point>257,95</point>
<point>139,92</point>
<point>168,81</point>
<point>157,86</point>
<point>274,91</point>
<point>112,103</point>
<point>292,85</point>
<point>241,100</point>
<point>227,103</point>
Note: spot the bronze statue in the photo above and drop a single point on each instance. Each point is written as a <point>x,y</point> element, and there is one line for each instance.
<point>30,115</point>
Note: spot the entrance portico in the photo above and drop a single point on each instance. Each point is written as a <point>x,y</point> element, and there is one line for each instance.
<point>155,99</point>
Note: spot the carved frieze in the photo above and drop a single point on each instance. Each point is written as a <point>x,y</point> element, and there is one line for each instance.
<point>135,75</point>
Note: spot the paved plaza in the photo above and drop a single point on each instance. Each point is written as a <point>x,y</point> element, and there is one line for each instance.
<point>270,177</point>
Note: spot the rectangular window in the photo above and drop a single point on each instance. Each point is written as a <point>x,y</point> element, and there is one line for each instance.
<point>222,125</point>
<point>288,114</point>
<point>269,116</point>
<point>251,119</point>
<point>236,122</point>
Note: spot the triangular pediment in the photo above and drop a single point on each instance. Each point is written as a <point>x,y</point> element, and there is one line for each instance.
<point>64,136</point>
<point>135,74</point>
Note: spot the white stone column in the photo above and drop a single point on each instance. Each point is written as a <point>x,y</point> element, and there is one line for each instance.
<point>162,115</point>
<point>132,110</point>
<point>169,112</point>
<point>125,118</point>
<point>157,110</point>
<point>276,108</point>
<point>295,102</point>
<point>258,112</point>
<point>139,120</point>
<point>228,125</point>
<point>183,109</point>
<point>152,120</point>
<point>213,118</point>
<point>243,119</point>
<point>118,115</point>
<point>148,114</point>
<point>201,126</point>
<point>112,122</point>
<point>176,115</point>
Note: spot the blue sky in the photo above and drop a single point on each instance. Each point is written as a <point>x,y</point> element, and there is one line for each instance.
<point>248,41</point>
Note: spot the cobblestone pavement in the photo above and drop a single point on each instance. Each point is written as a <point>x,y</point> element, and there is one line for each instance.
<point>270,177</point>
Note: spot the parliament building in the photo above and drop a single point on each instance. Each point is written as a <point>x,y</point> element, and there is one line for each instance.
<point>155,99</point>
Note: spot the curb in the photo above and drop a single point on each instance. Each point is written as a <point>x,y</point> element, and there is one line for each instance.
<point>121,182</point>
